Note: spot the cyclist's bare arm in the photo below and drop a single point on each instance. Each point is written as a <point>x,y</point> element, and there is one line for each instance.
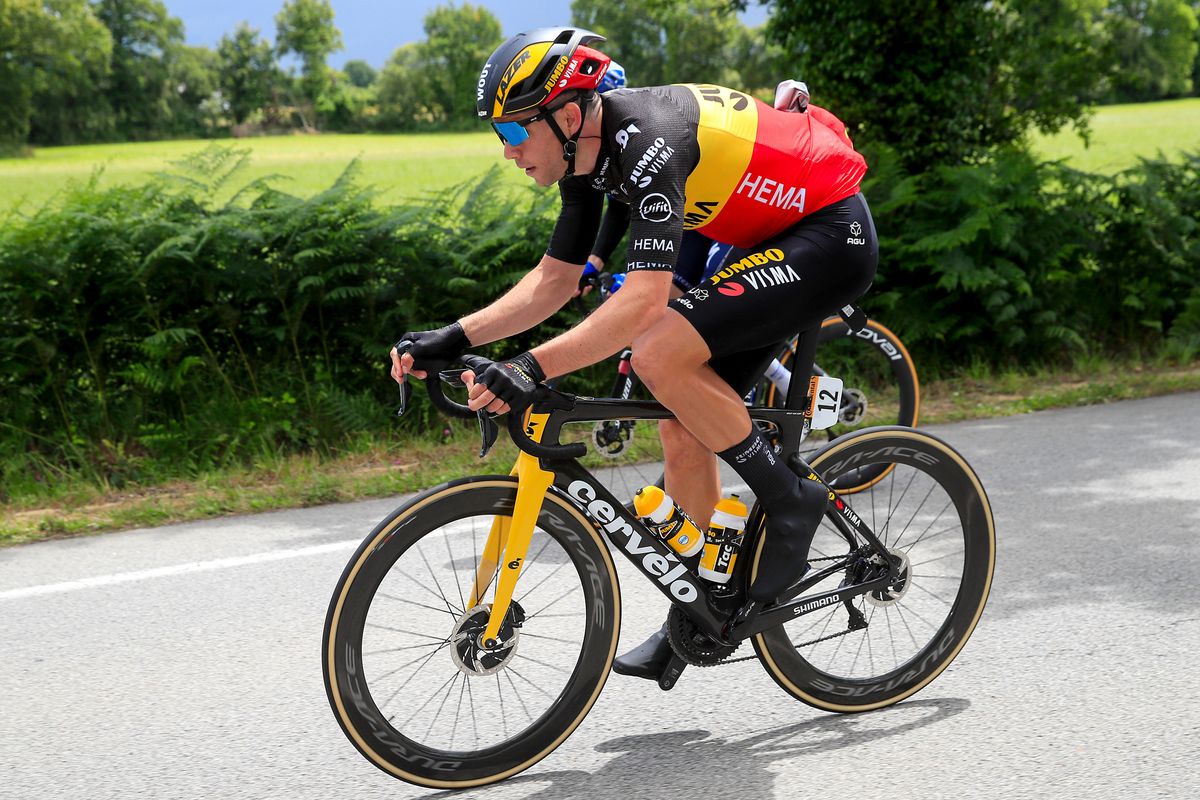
<point>544,290</point>
<point>614,325</point>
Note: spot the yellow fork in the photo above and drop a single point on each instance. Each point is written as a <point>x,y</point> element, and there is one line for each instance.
<point>513,533</point>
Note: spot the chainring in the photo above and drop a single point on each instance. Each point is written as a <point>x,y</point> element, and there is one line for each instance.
<point>692,645</point>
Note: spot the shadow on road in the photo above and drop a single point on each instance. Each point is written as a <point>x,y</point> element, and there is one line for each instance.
<point>672,763</point>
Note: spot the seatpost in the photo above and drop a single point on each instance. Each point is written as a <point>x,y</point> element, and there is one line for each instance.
<point>802,367</point>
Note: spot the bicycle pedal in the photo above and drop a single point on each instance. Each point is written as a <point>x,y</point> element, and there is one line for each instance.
<point>671,672</point>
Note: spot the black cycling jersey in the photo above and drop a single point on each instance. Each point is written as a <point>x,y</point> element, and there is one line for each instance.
<point>707,158</point>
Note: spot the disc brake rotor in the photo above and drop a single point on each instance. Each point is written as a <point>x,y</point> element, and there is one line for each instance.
<point>468,652</point>
<point>894,593</point>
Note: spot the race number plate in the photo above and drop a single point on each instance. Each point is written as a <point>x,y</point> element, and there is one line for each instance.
<point>826,394</point>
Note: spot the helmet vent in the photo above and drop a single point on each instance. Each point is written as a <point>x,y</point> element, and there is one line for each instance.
<point>590,66</point>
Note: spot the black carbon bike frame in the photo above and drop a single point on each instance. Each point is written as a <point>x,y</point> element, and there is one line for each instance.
<point>727,617</point>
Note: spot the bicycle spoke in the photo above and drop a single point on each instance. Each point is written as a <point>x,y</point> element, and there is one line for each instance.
<point>433,575</point>
<point>442,596</point>
<point>414,603</point>
<point>457,584</point>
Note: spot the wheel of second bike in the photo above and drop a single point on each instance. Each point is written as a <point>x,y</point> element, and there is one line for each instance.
<point>875,366</point>
<point>931,512</point>
<point>406,672</point>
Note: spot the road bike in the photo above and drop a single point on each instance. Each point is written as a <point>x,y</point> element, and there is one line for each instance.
<point>475,626</point>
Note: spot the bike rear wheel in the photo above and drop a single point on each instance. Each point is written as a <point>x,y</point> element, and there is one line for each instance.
<point>931,511</point>
<point>406,677</point>
<point>880,387</point>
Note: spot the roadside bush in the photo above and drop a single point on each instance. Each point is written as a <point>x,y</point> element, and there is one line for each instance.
<point>1014,261</point>
<point>148,328</point>
<point>149,332</point>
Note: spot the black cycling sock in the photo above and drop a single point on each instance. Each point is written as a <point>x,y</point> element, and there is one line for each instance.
<point>793,508</point>
<point>763,471</point>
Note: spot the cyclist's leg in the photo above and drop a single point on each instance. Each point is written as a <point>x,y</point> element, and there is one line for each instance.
<point>690,471</point>
<point>787,283</point>
<point>692,480</point>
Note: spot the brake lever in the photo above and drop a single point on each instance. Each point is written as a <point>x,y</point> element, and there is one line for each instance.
<point>489,431</point>
<point>402,347</point>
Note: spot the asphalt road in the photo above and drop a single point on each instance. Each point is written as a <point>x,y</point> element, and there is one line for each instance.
<point>183,662</point>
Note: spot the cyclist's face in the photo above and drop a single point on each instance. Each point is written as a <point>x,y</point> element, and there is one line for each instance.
<point>540,155</point>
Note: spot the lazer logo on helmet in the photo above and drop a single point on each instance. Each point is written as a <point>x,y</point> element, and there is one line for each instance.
<point>666,569</point>
<point>502,90</point>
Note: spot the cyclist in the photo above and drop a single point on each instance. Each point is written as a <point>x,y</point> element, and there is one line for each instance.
<point>782,188</point>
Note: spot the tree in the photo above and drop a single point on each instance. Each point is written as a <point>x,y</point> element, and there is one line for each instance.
<point>143,34</point>
<point>942,82</point>
<point>54,55</point>
<point>431,84</point>
<point>247,71</point>
<point>360,73</point>
<point>1154,48</point>
<point>636,38</point>
<point>193,77</point>
<point>405,94</point>
<point>305,27</point>
<point>457,43</point>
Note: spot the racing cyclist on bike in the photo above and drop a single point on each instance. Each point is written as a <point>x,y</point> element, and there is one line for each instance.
<point>782,188</point>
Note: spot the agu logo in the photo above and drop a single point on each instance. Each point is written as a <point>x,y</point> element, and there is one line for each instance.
<point>855,234</point>
<point>732,289</point>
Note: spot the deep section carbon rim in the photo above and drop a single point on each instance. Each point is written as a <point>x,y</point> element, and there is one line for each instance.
<point>407,674</point>
<point>930,512</point>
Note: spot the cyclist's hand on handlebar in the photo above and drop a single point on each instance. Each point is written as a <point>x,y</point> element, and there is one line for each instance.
<point>430,350</point>
<point>501,386</point>
<point>593,274</point>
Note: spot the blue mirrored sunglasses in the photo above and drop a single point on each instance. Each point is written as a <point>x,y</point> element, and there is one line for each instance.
<point>514,133</point>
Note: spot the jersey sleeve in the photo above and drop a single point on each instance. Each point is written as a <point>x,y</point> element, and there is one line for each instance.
<point>654,167</point>
<point>612,228</point>
<point>577,223</point>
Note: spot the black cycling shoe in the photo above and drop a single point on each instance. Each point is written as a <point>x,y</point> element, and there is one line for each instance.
<point>648,659</point>
<point>791,523</point>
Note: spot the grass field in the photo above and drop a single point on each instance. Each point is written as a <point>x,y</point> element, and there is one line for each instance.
<point>410,164</point>
<point>1121,134</point>
<point>400,165</point>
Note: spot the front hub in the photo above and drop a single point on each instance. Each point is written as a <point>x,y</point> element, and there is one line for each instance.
<point>471,654</point>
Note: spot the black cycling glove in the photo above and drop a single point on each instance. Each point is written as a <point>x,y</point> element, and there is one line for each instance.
<point>514,381</point>
<point>432,350</point>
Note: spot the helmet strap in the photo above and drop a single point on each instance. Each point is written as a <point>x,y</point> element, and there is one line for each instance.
<point>570,145</point>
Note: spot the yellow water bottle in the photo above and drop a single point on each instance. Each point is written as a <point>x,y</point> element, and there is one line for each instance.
<point>667,521</point>
<point>723,540</point>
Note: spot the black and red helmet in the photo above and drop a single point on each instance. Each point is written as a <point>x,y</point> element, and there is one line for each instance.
<point>533,68</point>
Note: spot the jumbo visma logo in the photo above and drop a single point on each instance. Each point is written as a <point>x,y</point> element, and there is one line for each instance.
<point>772,256</point>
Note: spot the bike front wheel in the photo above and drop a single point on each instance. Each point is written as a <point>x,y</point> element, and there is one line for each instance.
<point>407,677</point>
<point>932,513</point>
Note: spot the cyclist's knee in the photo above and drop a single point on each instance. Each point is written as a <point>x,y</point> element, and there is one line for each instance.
<point>668,349</point>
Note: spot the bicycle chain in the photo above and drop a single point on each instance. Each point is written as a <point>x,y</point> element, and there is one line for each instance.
<point>797,645</point>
